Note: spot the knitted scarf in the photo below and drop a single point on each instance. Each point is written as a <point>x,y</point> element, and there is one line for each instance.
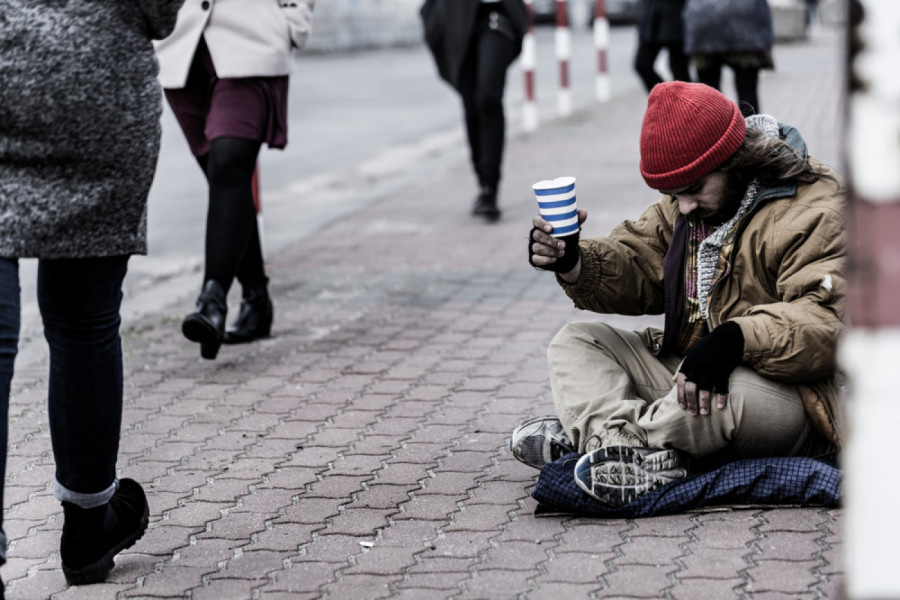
<point>709,259</point>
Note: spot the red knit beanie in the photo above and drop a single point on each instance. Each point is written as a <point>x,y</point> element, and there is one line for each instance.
<point>689,130</point>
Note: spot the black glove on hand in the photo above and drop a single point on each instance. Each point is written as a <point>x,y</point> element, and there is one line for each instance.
<point>710,361</point>
<point>564,263</point>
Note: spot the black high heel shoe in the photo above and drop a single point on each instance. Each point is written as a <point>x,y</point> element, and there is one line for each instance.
<point>207,324</point>
<point>254,320</point>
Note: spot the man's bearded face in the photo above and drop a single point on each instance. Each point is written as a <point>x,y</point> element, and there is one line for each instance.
<point>714,198</point>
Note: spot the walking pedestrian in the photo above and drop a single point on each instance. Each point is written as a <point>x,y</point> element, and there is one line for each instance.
<point>474,42</point>
<point>735,33</point>
<point>79,138</point>
<point>225,74</point>
<point>660,26</point>
<point>744,253</point>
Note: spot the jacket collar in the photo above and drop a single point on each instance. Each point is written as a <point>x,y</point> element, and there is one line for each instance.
<point>790,135</point>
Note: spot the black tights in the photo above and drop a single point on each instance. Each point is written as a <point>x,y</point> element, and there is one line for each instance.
<point>232,236</point>
<point>645,61</point>
<point>746,82</point>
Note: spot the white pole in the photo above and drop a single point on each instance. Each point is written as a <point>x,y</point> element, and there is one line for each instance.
<point>601,44</point>
<point>563,52</point>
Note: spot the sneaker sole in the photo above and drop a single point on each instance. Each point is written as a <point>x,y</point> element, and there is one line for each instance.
<point>617,475</point>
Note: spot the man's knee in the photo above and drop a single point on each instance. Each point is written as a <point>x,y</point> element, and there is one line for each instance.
<point>576,333</point>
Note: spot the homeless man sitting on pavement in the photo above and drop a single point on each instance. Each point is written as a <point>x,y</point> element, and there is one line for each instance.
<point>744,254</point>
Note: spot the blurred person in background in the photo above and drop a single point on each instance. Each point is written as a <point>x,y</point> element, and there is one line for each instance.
<point>733,33</point>
<point>660,26</point>
<point>225,73</point>
<point>79,138</point>
<point>474,42</point>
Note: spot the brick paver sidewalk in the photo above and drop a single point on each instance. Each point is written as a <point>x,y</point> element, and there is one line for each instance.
<point>361,452</point>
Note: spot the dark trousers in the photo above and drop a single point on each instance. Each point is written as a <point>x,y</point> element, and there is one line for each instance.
<point>79,301</point>
<point>645,59</point>
<point>746,83</point>
<point>481,88</point>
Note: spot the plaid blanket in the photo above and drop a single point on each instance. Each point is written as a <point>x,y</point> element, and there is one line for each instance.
<point>795,481</point>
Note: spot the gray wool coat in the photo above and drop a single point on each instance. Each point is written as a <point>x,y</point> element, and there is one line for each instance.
<point>79,124</point>
<point>723,26</point>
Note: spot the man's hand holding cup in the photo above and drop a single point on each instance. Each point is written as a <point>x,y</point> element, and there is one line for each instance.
<point>553,241</point>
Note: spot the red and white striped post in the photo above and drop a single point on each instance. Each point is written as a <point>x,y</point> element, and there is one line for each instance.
<point>529,58</point>
<point>601,44</point>
<point>563,53</point>
<point>870,350</point>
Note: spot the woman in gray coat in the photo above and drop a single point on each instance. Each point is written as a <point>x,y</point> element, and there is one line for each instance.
<point>735,33</point>
<point>79,137</point>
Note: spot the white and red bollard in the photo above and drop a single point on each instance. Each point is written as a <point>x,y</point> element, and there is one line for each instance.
<point>601,44</point>
<point>529,58</point>
<point>563,53</point>
<point>563,44</point>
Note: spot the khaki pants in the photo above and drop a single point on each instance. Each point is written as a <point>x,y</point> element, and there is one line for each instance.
<point>609,389</point>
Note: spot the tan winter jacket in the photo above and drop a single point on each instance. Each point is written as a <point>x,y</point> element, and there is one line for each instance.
<point>786,285</point>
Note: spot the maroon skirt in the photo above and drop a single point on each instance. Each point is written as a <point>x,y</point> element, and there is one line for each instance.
<point>207,107</point>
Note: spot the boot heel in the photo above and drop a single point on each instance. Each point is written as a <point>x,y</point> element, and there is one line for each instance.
<point>209,350</point>
<point>207,325</point>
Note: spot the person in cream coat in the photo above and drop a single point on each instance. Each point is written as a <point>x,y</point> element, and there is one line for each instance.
<point>225,72</point>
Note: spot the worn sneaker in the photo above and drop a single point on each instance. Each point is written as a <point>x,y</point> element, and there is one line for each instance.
<point>539,441</point>
<point>616,475</point>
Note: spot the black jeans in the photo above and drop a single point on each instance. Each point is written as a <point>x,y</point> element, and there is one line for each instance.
<point>482,83</point>
<point>79,301</point>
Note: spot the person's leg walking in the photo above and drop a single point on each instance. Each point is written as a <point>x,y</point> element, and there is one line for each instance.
<point>79,300</point>
<point>9,344</point>
<point>644,64</point>
<point>231,217</point>
<point>254,319</point>
<point>679,63</point>
<point>230,223</point>
<point>710,73</point>
<point>494,55</point>
<point>466,91</point>
<point>746,83</point>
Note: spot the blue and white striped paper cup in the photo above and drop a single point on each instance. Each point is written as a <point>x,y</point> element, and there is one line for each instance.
<point>556,201</point>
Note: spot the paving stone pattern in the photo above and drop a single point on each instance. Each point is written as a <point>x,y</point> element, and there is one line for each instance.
<point>361,452</point>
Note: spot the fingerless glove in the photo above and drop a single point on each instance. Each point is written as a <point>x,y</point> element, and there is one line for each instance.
<point>710,361</point>
<point>564,263</point>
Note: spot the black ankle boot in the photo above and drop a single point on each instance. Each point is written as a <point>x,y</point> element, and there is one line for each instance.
<point>254,320</point>
<point>91,537</point>
<point>486,204</point>
<point>207,325</point>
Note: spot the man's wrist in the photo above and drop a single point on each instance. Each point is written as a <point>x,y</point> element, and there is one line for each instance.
<point>571,277</point>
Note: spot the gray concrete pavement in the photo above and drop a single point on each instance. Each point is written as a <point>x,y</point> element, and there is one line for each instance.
<point>361,451</point>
